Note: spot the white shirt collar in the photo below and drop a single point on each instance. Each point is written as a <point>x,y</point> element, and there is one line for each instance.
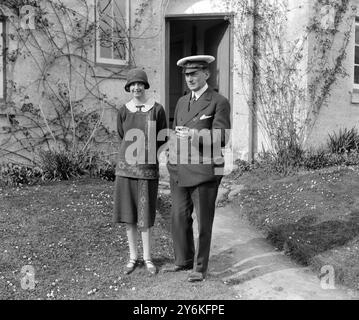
<point>198,93</point>
<point>148,105</point>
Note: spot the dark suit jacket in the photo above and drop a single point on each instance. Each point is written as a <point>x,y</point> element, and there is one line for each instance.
<point>209,116</point>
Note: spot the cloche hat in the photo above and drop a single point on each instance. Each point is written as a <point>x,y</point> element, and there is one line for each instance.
<point>136,75</point>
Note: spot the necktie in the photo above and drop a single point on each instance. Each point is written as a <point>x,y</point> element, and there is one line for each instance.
<point>191,102</point>
<point>139,108</point>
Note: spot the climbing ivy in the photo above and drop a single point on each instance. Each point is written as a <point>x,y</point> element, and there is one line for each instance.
<point>290,88</point>
<point>63,106</point>
<point>329,50</point>
<point>61,51</point>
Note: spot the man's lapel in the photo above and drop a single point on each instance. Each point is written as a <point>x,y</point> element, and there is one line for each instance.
<point>196,108</point>
<point>183,110</point>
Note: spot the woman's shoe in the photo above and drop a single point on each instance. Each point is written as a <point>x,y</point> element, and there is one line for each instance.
<point>151,268</point>
<point>131,266</point>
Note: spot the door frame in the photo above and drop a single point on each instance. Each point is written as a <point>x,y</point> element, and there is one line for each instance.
<point>203,16</point>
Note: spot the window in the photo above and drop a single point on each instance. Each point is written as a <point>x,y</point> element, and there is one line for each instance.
<point>356,55</point>
<point>2,58</point>
<point>112,25</point>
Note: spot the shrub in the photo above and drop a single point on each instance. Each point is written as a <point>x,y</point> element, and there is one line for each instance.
<point>314,160</point>
<point>107,171</point>
<point>346,159</point>
<point>63,165</point>
<point>283,161</point>
<point>345,141</point>
<point>18,174</point>
<point>243,165</point>
<point>58,165</point>
<point>289,157</point>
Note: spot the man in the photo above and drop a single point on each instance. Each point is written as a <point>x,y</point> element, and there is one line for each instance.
<point>200,122</point>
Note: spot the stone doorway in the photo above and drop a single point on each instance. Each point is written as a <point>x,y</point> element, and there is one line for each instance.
<point>191,35</point>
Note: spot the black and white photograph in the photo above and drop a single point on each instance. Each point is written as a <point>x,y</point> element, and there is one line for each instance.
<point>183,156</point>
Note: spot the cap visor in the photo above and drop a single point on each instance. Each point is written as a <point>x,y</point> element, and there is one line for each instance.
<point>190,70</point>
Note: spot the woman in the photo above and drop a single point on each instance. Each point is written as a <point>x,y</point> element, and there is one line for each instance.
<point>136,185</point>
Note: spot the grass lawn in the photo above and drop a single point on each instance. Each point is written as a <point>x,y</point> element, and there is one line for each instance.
<point>313,216</point>
<point>64,231</point>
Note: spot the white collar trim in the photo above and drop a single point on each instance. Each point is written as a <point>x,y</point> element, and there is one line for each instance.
<point>148,105</point>
<point>198,93</point>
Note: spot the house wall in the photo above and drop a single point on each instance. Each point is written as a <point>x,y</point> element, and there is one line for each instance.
<point>148,51</point>
<point>294,34</point>
<point>24,75</point>
<point>28,68</point>
<point>342,108</point>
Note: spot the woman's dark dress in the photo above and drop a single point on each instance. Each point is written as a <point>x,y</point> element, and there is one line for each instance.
<point>137,171</point>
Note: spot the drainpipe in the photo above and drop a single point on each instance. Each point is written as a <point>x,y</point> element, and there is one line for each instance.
<point>255,75</point>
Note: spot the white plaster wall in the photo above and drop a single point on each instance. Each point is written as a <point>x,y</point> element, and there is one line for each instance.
<point>339,112</point>
<point>298,15</point>
<point>149,53</point>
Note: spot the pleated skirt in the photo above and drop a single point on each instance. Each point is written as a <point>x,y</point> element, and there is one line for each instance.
<point>135,201</point>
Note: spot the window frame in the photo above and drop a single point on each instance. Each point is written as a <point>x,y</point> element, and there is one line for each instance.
<point>111,61</point>
<point>356,24</point>
<point>3,39</point>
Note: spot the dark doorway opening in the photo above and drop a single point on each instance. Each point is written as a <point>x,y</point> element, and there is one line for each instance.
<point>191,36</point>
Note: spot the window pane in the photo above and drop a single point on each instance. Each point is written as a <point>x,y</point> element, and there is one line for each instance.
<point>356,74</point>
<point>357,34</point>
<point>120,12</point>
<point>1,61</point>
<point>120,29</point>
<point>120,49</point>
<point>105,28</point>
<point>356,61</point>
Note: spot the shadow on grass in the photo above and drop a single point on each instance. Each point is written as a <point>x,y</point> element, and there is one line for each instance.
<point>302,241</point>
<point>162,261</point>
<point>307,238</point>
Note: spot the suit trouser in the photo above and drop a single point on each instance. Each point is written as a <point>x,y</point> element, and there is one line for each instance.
<point>184,199</point>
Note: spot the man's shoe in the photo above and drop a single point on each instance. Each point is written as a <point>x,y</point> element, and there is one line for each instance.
<point>196,276</point>
<point>176,268</point>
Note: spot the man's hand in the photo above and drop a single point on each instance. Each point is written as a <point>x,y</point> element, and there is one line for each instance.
<point>184,132</point>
